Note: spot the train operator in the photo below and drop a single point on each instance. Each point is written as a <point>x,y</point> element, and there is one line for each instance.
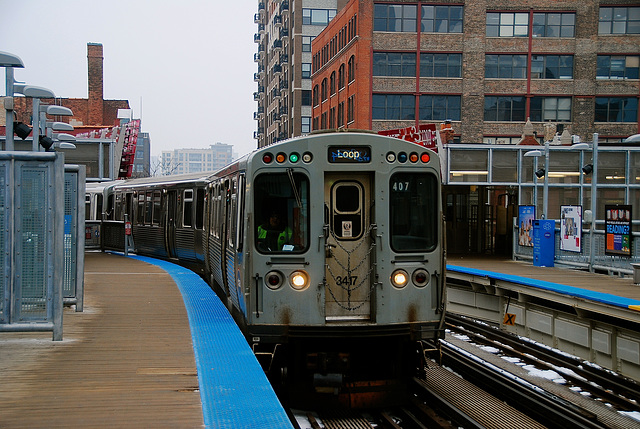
<point>274,234</point>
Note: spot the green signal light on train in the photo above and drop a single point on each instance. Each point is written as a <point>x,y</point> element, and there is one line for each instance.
<point>294,157</point>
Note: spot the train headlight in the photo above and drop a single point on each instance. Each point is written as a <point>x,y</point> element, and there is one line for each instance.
<point>420,277</point>
<point>399,278</point>
<point>299,280</point>
<point>274,279</point>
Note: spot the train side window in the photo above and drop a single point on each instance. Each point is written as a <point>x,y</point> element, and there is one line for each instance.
<point>200,208</point>
<point>87,207</point>
<point>413,208</point>
<point>148,216</point>
<point>347,210</point>
<point>157,211</point>
<point>231,215</point>
<point>98,215</point>
<point>281,212</point>
<point>187,208</point>
<point>140,209</point>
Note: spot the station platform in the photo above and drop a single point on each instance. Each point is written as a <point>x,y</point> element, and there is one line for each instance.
<point>154,347</point>
<point>612,290</point>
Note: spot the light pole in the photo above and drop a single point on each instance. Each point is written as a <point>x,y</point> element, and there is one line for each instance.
<point>9,61</point>
<point>54,110</point>
<point>36,93</point>
<point>539,173</point>
<point>593,169</point>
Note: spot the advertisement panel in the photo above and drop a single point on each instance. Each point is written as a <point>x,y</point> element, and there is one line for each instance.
<point>617,230</point>
<point>571,228</point>
<point>526,216</point>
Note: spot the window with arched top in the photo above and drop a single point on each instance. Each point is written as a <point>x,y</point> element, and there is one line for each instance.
<point>341,77</point>
<point>352,68</point>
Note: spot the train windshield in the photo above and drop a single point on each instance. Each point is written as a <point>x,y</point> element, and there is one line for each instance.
<point>413,212</point>
<point>281,212</point>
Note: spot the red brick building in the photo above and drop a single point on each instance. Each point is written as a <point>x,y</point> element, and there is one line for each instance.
<point>88,113</point>
<point>341,79</point>
<point>486,65</point>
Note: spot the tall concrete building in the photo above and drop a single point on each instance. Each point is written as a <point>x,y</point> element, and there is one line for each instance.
<point>486,65</point>
<point>285,31</point>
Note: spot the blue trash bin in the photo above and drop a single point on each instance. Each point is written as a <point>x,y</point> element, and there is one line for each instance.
<point>544,242</point>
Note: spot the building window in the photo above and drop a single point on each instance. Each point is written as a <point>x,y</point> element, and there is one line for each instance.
<point>618,67</point>
<point>341,114</point>
<point>554,24</point>
<point>306,43</point>
<point>393,106</point>
<point>619,20</point>
<point>504,108</point>
<point>394,64</point>
<point>324,89</point>
<point>440,107</point>
<point>440,65</point>
<point>332,83</point>
<point>616,109</point>
<point>332,118</point>
<point>306,124</point>
<point>351,106</point>
<point>395,17</point>
<point>323,121</point>
<point>317,16</point>
<point>341,77</point>
<point>352,69</point>
<point>554,109</point>
<point>306,97</point>
<point>505,66</point>
<point>316,123</point>
<point>306,70</point>
<point>507,24</point>
<point>552,67</point>
<point>316,96</point>
<point>441,19</point>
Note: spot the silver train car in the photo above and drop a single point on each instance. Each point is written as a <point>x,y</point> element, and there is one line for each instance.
<point>327,249</point>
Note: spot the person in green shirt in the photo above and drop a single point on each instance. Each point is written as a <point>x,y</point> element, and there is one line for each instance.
<point>273,234</point>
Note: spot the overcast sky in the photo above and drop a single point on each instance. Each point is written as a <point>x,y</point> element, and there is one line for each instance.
<point>186,67</point>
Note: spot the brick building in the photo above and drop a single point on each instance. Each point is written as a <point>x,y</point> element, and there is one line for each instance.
<point>88,113</point>
<point>485,65</point>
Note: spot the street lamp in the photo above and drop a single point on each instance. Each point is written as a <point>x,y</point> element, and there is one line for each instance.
<point>9,61</point>
<point>54,110</point>
<point>36,93</point>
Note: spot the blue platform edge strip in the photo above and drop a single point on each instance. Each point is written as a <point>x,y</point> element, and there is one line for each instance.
<point>602,297</point>
<point>234,390</point>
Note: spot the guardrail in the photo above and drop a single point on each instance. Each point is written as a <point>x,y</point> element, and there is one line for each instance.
<point>600,262</point>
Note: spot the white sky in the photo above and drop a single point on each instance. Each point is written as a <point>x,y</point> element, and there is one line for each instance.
<point>186,67</point>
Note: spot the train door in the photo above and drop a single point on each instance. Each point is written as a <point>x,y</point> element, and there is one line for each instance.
<point>171,212</point>
<point>348,264</point>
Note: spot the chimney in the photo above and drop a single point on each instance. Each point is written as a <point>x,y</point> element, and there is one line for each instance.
<point>94,62</point>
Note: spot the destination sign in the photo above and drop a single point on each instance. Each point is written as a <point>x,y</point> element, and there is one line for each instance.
<point>349,154</point>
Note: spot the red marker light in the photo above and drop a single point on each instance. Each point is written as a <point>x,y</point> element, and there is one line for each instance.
<point>425,157</point>
<point>267,158</point>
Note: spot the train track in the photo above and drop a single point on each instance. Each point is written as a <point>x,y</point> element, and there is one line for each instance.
<point>448,396</point>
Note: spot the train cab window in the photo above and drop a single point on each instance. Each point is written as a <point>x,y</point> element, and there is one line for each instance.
<point>347,201</point>
<point>187,208</point>
<point>413,210</point>
<point>281,209</point>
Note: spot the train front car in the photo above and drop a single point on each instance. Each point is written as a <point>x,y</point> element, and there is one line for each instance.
<point>347,268</point>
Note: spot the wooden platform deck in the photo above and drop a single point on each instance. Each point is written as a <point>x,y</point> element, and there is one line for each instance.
<point>126,361</point>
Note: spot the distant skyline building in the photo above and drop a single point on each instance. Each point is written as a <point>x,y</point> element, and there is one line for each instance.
<point>285,31</point>
<point>182,161</point>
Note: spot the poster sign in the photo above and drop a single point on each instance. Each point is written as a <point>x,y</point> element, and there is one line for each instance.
<point>571,228</point>
<point>423,134</point>
<point>526,216</point>
<point>617,230</point>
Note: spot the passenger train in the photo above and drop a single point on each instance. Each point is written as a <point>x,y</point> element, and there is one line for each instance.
<point>327,250</point>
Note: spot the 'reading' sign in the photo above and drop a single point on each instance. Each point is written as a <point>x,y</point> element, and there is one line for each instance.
<point>617,230</point>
